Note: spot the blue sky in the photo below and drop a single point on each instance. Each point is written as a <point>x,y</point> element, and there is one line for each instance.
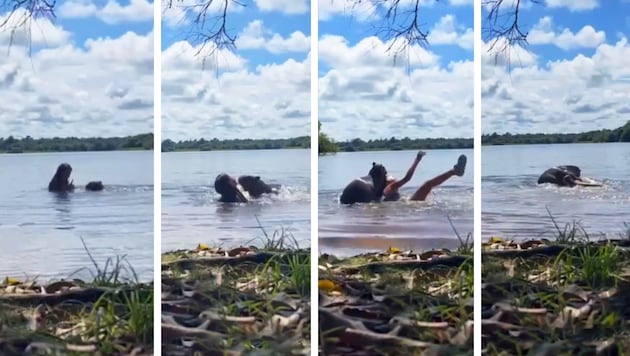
<point>88,73</point>
<point>363,94</point>
<point>572,75</point>
<point>261,90</point>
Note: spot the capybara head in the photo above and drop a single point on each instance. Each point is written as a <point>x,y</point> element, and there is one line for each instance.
<point>94,186</point>
<point>568,180</point>
<point>63,172</point>
<point>225,185</point>
<point>254,185</point>
<point>379,177</point>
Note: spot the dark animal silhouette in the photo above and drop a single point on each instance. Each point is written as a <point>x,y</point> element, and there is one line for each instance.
<point>361,191</point>
<point>59,182</point>
<point>564,176</point>
<point>94,186</point>
<point>227,186</point>
<point>256,187</point>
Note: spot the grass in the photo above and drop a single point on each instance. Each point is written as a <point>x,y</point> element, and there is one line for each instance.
<point>566,296</point>
<point>397,302</point>
<point>111,314</point>
<point>240,301</point>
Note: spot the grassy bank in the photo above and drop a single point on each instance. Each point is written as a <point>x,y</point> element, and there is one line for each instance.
<point>397,302</point>
<point>111,315</point>
<point>240,301</point>
<point>565,296</point>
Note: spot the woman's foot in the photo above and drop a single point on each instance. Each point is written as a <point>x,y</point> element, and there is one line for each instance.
<point>460,166</point>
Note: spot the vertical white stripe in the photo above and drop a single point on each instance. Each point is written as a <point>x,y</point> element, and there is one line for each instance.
<point>157,176</point>
<point>477,176</point>
<point>314,181</point>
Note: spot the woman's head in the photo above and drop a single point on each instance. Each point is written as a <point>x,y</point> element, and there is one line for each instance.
<point>63,171</point>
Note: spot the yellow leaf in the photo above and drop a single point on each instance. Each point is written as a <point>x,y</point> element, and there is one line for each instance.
<point>393,250</point>
<point>328,286</point>
<point>495,240</point>
<point>202,247</point>
<point>11,281</point>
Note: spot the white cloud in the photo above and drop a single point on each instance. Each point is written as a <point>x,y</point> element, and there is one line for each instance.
<point>21,30</point>
<point>111,13</point>
<point>289,7</point>
<point>569,95</point>
<point>103,89</point>
<point>574,5</point>
<point>543,33</point>
<point>364,95</point>
<point>255,36</point>
<point>445,31</point>
<point>370,51</point>
<point>270,101</point>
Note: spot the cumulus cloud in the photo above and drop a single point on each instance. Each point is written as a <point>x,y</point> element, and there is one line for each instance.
<point>111,13</point>
<point>268,101</point>
<point>364,95</point>
<point>446,31</point>
<point>574,5</point>
<point>255,36</point>
<point>288,7</point>
<point>565,95</point>
<point>543,33</point>
<point>20,30</point>
<point>59,90</point>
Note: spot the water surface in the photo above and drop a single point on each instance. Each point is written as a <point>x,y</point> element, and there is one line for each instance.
<point>513,205</point>
<point>345,230</point>
<point>40,231</point>
<point>191,213</point>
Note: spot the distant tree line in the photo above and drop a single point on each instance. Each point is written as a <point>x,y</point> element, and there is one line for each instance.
<point>236,144</point>
<point>620,134</point>
<point>75,144</point>
<point>400,144</point>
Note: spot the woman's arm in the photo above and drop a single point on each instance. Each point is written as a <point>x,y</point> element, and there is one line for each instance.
<point>399,183</point>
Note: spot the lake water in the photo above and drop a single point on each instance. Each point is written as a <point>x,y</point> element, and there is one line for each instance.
<point>192,214</point>
<point>345,230</point>
<point>513,205</point>
<point>40,231</point>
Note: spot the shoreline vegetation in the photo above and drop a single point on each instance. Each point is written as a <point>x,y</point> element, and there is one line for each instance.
<point>239,301</point>
<point>565,296</point>
<point>620,134</point>
<point>76,144</point>
<point>110,315</point>
<point>397,302</point>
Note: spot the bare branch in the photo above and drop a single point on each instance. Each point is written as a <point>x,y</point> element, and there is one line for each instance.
<point>503,26</point>
<point>17,20</point>
<point>210,31</point>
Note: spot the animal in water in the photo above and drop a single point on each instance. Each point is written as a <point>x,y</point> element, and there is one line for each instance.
<point>256,187</point>
<point>364,190</point>
<point>59,182</point>
<point>227,187</point>
<point>94,186</point>
<point>564,176</point>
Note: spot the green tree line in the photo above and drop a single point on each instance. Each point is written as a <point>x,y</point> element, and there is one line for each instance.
<point>75,144</point>
<point>236,144</point>
<point>620,134</point>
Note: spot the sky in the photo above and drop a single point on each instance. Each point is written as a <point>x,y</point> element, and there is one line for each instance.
<point>571,76</point>
<point>364,93</point>
<point>259,90</point>
<point>87,72</point>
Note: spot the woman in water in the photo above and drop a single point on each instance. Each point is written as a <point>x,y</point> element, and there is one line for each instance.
<point>392,186</point>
